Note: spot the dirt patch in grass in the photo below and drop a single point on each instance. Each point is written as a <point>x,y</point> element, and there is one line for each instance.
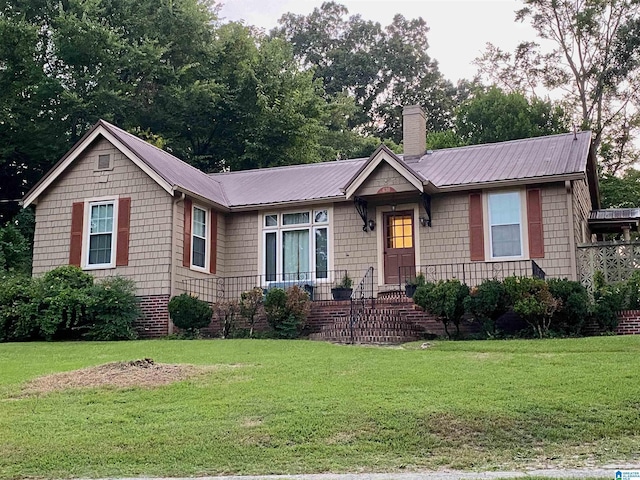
<point>136,373</point>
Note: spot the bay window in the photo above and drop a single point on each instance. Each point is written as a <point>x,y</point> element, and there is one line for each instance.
<point>296,245</point>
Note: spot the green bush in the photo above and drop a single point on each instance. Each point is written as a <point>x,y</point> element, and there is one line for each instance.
<point>15,251</point>
<point>487,303</point>
<point>287,311</point>
<point>609,299</point>
<point>632,300</point>
<point>63,295</point>
<point>251,303</point>
<point>113,308</point>
<point>574,308</point>
<point>444,299</point>
<point>190,314</point>
<point>532,300</point>
<point>18,312</point>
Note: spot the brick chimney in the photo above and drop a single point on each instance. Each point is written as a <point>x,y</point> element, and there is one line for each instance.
<point>414,131</point>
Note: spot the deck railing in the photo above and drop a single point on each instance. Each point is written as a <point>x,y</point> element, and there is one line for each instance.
<point>317,284</point>
<point>473,273</point>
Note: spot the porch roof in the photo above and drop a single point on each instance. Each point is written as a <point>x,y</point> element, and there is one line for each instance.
<point>613,220</point>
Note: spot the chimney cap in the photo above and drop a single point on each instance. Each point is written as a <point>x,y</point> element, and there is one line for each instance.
<point>412,110</point>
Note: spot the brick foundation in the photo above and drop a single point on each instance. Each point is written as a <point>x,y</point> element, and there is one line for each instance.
<point>628,322</point>
<point>154,319</point>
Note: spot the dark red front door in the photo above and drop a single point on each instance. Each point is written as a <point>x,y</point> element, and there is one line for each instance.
<point>399,250</point>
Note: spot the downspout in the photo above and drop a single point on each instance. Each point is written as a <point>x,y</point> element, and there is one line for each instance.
<point>172,266</point>
<point>572,232</point>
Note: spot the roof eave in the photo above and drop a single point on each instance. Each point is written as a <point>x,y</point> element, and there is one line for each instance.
<point>510,182</point>
<point>287,204</point>
<point>200,198</point>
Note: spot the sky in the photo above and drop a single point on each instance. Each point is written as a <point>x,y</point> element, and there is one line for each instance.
<point>459,29</point>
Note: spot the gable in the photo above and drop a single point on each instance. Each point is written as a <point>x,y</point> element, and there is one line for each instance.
<point>384,179</point>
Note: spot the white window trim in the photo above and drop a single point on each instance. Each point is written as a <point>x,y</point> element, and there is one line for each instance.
<point>86,227</point>
<point>524,234</point>
<point>207,239</point>
<point>310,226</point>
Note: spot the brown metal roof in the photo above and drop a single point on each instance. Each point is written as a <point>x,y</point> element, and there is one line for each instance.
<point>615,214</point>
<point>514,160</point>
<point>173,170</point>
<point>295,183</point>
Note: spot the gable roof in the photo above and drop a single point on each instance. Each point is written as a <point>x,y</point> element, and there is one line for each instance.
<point>383,154</point>
<point>171,173</point>
<point>540,159</point>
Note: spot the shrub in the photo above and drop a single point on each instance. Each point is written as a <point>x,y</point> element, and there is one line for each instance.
<point>444,299</point>
<point>112,308</point>
<point>575,306</point>
<point>251,302</point>
<point>632,300</point>
<point>532,300</point>
<point>18,319</point>
<point>287,311</point>
<point>190,314</point>
<point>609,299</point>
<point>15,251</point>
<point>227,311</point>
<point>486,303</point>
<point>63,295</point>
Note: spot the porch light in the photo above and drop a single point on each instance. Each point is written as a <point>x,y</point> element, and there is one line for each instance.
<point>372,225</point>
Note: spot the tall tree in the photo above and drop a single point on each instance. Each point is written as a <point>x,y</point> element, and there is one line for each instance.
<point>593,59</point>
<point>383,68</point>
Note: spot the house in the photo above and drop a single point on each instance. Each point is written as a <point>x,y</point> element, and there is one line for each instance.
<point>115,204</point>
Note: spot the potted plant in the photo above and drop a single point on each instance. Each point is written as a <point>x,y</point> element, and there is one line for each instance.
<point>343,291</point>
<point>412,284</point>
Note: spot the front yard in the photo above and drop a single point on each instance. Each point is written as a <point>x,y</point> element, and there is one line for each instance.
<point>301,407</point>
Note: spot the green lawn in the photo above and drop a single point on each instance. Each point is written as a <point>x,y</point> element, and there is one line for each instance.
<point>301,407</point>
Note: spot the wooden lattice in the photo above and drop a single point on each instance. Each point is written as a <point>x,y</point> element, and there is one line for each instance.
<point>616,260</point>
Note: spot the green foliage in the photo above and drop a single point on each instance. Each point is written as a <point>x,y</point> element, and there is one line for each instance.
<point>495,116</point>
<point>18,314</point>
<point>190,314</point>
<point>486,303</point>
<point>417,280</point>
<point>227,311</point>
<point>609,299</point>
<point>621,191</point>
<point>251,303</point>
<point>63,295</point>
<point>574,307</point>
<point>346,281</point>
<point>445,299</point>
<point>15,251</point>
<point>633,291</point>
<point>287,311</point>
<point>444,139</point>
<point>112,309</point>
<point>532,300</point>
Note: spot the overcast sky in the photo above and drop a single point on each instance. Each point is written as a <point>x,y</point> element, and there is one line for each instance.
<point>459,29</point>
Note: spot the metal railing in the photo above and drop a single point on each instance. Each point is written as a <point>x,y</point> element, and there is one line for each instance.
<point>318,285</point>
<point>472,273</point>
<point>363,292</point>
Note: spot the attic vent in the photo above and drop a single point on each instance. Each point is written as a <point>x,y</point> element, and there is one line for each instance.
<point>104,162</point>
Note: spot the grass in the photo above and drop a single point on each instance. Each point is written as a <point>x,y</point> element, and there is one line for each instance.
<point>308,407</point>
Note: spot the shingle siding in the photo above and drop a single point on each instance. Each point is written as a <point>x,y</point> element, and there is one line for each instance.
<point>150,232</point>
<point>385,176</point>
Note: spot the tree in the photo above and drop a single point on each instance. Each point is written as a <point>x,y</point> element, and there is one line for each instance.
<point>494,116</point>
<point>383,69</point>
<point>621,191</point>
<point>593,60</point>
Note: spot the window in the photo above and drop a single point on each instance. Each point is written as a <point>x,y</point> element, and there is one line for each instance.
<point>100,233</point>
<point>400,231</point>
<point>505,224</point>
<point>199,238</point>
<point>104,162</point>
<point>296,245</point>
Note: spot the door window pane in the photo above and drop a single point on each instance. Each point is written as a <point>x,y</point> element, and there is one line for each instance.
<point>322,253</point>
<point>400,231</point>
<point>271,220</point>
<point>270,256</point>
<point>295,218</point>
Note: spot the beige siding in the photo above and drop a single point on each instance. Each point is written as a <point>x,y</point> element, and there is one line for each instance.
<point>447,240</point>
<point>204,285</point>
<point>150,232</point>
<point>385,176</point>
<point>354,250</point>
<point>581,210</point>
<point>557,228</point>
<point>242,246</point>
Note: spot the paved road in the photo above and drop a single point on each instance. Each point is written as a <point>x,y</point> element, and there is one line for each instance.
<point>603,472</point>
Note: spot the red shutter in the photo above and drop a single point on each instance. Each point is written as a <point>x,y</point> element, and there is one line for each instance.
<point>214,241</point>
<point>534,218</point>
<point>476,227</point>
<point>186,244</point>
<point>75,246</point>
<point>124,213</point>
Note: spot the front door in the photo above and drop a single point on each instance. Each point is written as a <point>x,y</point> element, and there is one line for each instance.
<point>399,250</point>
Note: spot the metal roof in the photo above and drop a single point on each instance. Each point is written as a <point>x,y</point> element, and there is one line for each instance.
<point>173,170</point>
<point>615,214</point>
<point>530,158</point>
